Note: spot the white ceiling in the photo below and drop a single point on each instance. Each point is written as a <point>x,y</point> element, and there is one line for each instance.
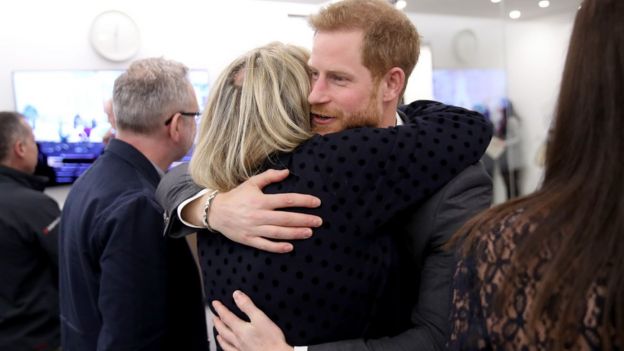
<point>479,8</point>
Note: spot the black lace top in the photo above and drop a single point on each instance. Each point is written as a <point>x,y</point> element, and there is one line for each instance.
<point>476,325</point>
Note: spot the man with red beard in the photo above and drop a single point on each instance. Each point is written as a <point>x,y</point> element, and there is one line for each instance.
<point>362,50</point>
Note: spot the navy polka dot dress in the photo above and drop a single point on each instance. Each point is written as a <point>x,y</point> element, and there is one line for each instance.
<point>326,289</point>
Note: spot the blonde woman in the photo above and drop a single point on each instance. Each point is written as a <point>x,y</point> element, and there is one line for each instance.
<point>257,118</point>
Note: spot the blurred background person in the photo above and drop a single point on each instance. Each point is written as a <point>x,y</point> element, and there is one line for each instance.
<point>543,272</point>
<point>511,160</point>
<point>29,305</point>
<point>108,109</point>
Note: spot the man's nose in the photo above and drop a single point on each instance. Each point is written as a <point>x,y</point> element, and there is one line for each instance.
<point>318,93</point>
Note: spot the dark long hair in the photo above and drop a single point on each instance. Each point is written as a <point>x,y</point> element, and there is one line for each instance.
<point>581,201</point>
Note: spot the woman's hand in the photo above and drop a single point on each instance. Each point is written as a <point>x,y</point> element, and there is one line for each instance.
<point>235,334</point>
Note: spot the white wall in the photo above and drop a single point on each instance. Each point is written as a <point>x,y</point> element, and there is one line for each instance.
<point>438,31</point>
<point>37,34</point>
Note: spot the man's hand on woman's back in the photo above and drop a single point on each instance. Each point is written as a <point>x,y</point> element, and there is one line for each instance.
<point>248,216</point>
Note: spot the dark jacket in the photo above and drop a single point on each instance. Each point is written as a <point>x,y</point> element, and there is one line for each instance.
<point>28,264</point>
<point>415,310</point>
<point>416,313</point>
<point>123,285</point>
<point>344,266</point>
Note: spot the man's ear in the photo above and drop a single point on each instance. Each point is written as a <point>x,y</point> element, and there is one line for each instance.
<point>175,128</point>
<point>19,148</point>
<point>394,81</point>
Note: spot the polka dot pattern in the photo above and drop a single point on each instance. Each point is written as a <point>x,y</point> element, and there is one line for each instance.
<point>326,288</point>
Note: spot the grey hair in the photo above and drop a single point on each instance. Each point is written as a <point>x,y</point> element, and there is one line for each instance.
<point>257,107</point>
<point>148,91</point>
<point>11,129</point>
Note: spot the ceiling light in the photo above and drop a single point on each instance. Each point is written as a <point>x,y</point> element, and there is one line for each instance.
<point>495,1</point>
<point>515,14</point>
<point>543,3</point>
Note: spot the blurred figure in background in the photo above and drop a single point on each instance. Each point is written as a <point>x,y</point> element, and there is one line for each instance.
<point>543,272</point>
<point>108,109</point>
<point>511,160</point>
<point>28,244</point>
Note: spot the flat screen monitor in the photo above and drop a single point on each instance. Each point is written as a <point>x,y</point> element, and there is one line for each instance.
<point>483,90</point>
<point>65,110</point>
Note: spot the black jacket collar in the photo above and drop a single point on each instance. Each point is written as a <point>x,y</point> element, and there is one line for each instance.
<point>133,156</point>
<point>31,181</point>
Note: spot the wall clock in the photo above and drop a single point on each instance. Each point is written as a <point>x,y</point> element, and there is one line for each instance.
<point>115,36</point>
<point>465,46</point>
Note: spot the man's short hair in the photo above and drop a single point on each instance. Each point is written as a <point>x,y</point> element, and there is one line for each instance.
<point>150,89</point>
<point>11,129</point>
<point>390,38</point>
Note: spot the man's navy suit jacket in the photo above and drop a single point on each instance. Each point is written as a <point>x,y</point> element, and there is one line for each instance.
<point>123,286</point>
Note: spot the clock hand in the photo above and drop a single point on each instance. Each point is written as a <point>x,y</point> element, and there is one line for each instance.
<point>116,37</point>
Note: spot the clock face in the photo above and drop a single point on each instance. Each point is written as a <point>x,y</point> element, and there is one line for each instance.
<point>466,46</point>
<point>115,36</point>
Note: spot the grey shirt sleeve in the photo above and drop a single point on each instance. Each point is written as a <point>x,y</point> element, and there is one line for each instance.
<point>174,188</point>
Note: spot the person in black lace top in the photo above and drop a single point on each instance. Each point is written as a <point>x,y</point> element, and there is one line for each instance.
<point>257,118</point>
<point>544,272</point>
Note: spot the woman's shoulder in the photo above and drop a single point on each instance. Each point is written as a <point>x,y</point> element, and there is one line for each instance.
<point>497,243</point>
<point>508,229</point>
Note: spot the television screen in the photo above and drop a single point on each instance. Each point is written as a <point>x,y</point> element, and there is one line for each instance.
<point>65,109</point>
<point>483,90</point>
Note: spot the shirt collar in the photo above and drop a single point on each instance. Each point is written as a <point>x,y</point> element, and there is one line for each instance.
<point>399,120</point>
<point>29,180</point>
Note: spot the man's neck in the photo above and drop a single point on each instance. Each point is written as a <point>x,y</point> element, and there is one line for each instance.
<point>389,116</point>
<point>152,147</point>
<point>17,166</point>
<point>388,122</point>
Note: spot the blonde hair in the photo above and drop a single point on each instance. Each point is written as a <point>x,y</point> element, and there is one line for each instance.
<point>258,107</point>
<point>390,38</point>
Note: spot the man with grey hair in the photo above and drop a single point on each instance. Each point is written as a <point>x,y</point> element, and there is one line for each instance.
<point>28,244</point>
<point>123,285</point>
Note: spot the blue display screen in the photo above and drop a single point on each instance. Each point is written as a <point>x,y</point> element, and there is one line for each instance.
<point>65,110</point>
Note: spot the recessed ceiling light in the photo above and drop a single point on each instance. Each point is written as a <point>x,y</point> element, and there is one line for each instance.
<point>515,14</point>
<point>543,3</point>
<point>495,1</point>
<point>400,4</point>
